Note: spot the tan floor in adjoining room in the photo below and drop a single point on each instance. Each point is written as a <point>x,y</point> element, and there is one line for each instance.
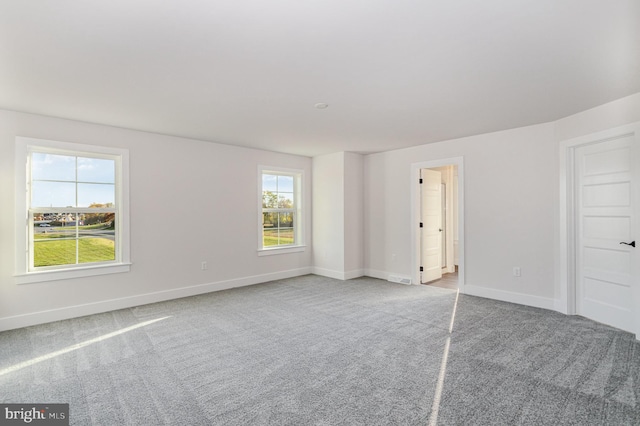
<point>449,281</point>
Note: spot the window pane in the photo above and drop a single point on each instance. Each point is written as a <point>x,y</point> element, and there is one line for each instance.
<point>95,222</point>
<point>285,220</point>
<point>54,239</point>
<point>285,183</point>
<point>71,204</point>
<point>279,196</point>
<point>269,183</point>
<point>277,229</point>
<point>285,200</point>
<point>285,236</point>
<point>53,194</point>
<point>99,249</point>
<point>54,252</point>
<point>270,220</point>
<point>55,219</point>
<point>270,237</point>
<point>269,229</point>
<point>285,228</point>
<point>269,199</point>
<point>96,195</point>
<point>96,170</point>
<point>53,167</point>
<point>53,226</point>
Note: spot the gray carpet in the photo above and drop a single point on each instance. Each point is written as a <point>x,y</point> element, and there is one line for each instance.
<point>317,351</point>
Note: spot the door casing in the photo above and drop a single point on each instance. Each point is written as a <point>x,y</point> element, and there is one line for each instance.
<point>566,303</point>
<point>415,215</point>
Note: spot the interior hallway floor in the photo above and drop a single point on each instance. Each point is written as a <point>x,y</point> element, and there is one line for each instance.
<point>449,281</point>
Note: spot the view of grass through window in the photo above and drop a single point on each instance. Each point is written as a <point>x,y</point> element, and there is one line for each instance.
<point>63,240</point>
<point>72,210</point>
<point>278,210</point>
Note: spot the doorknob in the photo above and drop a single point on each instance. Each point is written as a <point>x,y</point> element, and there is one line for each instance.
<point>632,243</point>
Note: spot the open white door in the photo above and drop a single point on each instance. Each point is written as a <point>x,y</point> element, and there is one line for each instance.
<point>431,235</point>
<point>605,219</point>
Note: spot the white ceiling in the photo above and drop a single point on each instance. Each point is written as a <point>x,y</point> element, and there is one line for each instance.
<point>395,73</point>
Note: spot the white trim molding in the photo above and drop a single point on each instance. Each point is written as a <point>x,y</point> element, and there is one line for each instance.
<point>41,317</point>
<point>24,273</point>
<point>338,275</point>
<point>299,211</point>
<point>512,297</point>
<point>375,273</point>
<point>566,303</point>
<point>415,215</point>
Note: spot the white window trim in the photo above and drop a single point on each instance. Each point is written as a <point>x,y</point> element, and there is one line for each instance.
<point>22,273</point>
<point>299,198</point>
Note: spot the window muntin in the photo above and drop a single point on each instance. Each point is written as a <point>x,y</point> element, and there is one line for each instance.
<point>73,202</point>
<point>72,238</point>
<point>72,209</point>
<point>281,209</point>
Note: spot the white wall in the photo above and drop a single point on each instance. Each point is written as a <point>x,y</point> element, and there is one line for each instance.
<point>610,115</point>
<point>621,112</point>
<point>338,228</point>
<point>511,190</point>
<point>511,184</point>
<point>191,201</point>
<point>511,214</point>
<point>613,114</point>
<point>328,215</point>
<point>353,215</point>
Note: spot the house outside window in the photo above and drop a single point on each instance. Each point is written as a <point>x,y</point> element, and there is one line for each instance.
<point>76,209</point>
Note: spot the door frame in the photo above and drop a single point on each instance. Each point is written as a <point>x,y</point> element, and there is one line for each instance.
<point>568,223</point>
<point>415,215</point>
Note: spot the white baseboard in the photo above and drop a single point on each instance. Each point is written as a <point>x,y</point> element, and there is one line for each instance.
<point>25,320</point>
<point>374,273</point>
<point>389,276</point>
<point>561,306</point>
<point>355,273</point>
<point>338,275</point>
<point>508,296</point>
<point>330,273</point>
<point>489,293</point>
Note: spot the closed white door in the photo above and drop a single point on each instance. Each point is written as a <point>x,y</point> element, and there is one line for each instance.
<point>431,199</point>
<point>605,214</point>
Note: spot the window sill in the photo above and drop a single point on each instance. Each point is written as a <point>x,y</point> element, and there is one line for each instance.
<point>65,274</point>
<point>280,250</point>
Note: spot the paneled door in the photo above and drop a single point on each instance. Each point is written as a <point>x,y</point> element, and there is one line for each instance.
<point>431,207</point>
<point>605,231</point>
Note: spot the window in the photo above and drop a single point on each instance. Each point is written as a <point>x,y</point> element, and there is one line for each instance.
<point>75,209</point>
<point>280,214</point>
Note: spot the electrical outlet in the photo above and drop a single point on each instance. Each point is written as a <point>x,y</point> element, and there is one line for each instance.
<point>516,271</point>
<point>204,266</point>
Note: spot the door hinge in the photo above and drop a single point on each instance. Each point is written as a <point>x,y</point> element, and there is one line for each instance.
<point>421,269</point>
<point>420,224</point>
<point>420,181</point>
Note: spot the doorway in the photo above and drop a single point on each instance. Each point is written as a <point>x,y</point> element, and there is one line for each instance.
<point>438,217</point>
<point>599,195</point>
<point>439,231</point>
